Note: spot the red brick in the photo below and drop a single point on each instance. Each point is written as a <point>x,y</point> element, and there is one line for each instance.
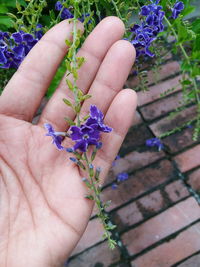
<point>179,140</point>
<point>176,191</point>
<point>194,261</point>
<point>188,159</point>
<point>161,226</point>
<point>133,161</point>
<point>97,255</point>
<point>139,183</point>
<point>93,234</point>
<point>169,253</point>
<point>136,160</point>
<point>135,137</point>
<point>166,124</point>
<point>127,216</point>
<point>155,91</point>
<point>194,180</point>
<point>165,71</point>
<point>149,205</point>
<point>161,107</point>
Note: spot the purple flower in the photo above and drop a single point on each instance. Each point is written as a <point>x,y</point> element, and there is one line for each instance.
<point>177,8</point>
<point>122,177</point>
<point>145,33</point>
<point>114,186</point>
<point>58,6</point>
<point>84,136</point>
<point>96,120</point>
<point>14,47</point>
<point>114,162</point>
<point>57,136</point>
<point>65,14</point>
<point>155,142</point>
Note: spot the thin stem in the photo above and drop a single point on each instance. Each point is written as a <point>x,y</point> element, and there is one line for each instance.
<point>117,10</point>
<point>186,57</point>
<point>102,214</point>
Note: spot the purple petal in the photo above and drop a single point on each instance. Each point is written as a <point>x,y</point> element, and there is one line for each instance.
<point>27,37</point>
<point>58,6</point>
<point>76,133</point>
<point>3,59</point>
<point>81,145</point>
<point>17,37</point>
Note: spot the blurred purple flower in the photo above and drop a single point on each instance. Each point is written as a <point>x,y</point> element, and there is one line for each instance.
<point>155,142</point>
<point>145,33</point>
<point>114,186</point>
<point>177,8</point>
<point>57,136</point>
<point>65,14</point>
<point>123,176</point>
<point>14,47</point>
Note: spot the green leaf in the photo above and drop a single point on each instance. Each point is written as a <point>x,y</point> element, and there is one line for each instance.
<point>69,121</point>
<point>6,21</point>
<point>89,197</point>
<point>3,9</point>
<point>196,26</point>
<point>70,85</point>
<point>67,102</point>
<point>188,10</point>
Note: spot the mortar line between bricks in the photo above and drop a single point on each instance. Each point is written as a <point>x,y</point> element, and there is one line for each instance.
<point>149,122</point>
<point>182,150</point>
<point>159,81</point>
<point>184,179</point>
<point>160,186</point>
<point>137,170</point>
<point>163,240</point>
<point>165,115</point>
<point>161,98</point>
<point>152,216</point>
<point>187,258</point>
<point>179,173</point>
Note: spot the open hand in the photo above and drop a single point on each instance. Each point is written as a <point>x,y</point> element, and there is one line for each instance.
<point>43,212</point>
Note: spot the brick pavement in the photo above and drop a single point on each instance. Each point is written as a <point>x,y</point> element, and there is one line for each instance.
<point>156,210</point>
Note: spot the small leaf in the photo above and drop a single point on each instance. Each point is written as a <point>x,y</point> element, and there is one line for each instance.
<point>85,97</point>
<point>18,6</point>
<point>70,85</point>
<point>67,102</point>
<point>89,197</point>
<point>68,42</point>
<point>69,121</point>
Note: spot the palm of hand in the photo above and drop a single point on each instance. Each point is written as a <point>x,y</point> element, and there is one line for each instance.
<point>45,202</point>
<point>43,212</point>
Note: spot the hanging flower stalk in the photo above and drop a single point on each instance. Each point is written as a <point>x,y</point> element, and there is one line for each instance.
<point>85,133</point>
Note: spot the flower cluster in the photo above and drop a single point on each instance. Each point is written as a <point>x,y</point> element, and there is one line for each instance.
<point>65,13</point>
<point>84,135</point>
<point>146,33</point>
<point>14,47</point>
<point>155,142</point>
<point>177,8</point>
<point>89,132</point>
<point>121,177</point>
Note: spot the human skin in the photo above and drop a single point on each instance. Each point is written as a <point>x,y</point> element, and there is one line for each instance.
<point>43,212</point>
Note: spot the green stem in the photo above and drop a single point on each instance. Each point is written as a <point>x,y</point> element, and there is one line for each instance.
<point>74,63</point>
<point>101,215</point>
<point>117,10</point>
<point>186,57</point>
